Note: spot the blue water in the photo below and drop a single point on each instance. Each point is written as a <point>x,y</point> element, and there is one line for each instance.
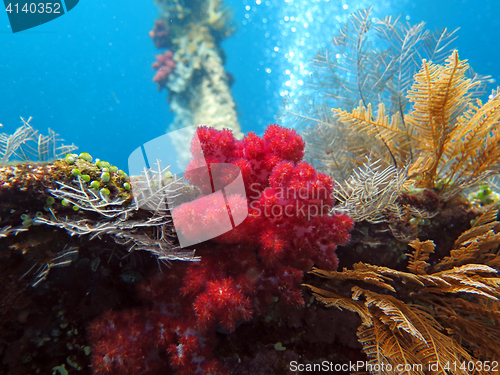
<point>88,76</point>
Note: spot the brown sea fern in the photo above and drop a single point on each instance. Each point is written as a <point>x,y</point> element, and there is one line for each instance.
<point>369,60</point>
<point>451,140</point>
<point>439,313</point>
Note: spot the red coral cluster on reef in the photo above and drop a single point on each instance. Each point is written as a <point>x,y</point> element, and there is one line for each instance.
<point>164,65</point>
<point>160,35</point>
<point>241,272</point>
<point>288,200</point>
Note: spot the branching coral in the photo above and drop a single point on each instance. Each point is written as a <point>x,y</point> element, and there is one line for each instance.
<point>371,192</point>
<point>28,144</point>
<point>144,224</point>
<point>376,195</point>
<point>93,198</point>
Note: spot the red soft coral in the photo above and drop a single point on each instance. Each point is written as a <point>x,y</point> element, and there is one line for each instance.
<point>127,342</point>
<point>164,66</point>
<point>222,302</point>
<point>289,202</point>
<point>289,228</point>
<point>284,143</point>
<point>160,35</point>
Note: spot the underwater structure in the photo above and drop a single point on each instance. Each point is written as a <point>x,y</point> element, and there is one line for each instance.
<point>191,68</point>
<point>371,242</point>
<point>192,65</point>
